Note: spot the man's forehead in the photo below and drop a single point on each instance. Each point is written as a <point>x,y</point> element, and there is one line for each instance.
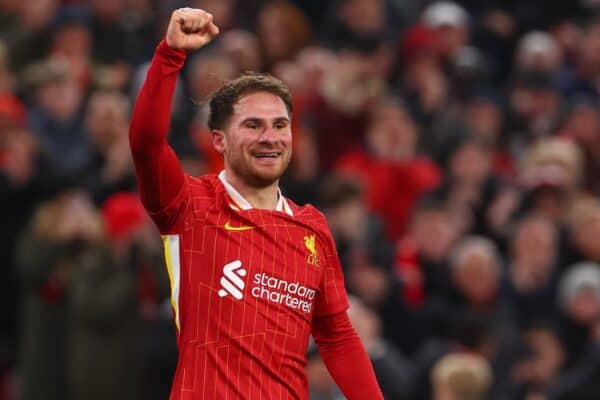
<point>260,104</point>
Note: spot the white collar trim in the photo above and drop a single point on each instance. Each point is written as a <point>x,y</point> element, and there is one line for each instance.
<point>242,203</point>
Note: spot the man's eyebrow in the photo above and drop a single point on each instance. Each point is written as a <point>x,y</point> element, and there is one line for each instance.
<point>251,119</point>
<point>282,119</point>
<point>260,120</point>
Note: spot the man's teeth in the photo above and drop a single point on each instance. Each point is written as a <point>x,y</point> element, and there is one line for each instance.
<point>267,155</point>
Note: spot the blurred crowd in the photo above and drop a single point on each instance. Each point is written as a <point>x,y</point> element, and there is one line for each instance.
<point>454,148</point>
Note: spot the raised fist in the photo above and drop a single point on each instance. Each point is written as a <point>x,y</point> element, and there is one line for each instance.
<point>190,29</point>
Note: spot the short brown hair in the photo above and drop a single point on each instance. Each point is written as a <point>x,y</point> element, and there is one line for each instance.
<point>222,101</point>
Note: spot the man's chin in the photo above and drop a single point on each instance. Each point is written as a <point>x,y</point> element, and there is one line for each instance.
<point>258,177</point>
<point>264,177</point>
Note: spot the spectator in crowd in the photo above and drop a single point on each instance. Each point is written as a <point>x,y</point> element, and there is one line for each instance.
<point>357,22</point>
<point>283,31</point>
<point>27,177</point>
<point>538,51</point>
<point>461,377</point>
<point>550,177</point>
<point>103,323</point>
<point>56,117</point>
<point>451,21</point>
<point>582,125</point>
<point>65,237</point>
<point>243,49</point>
<point>365,253</point>
<point>583,224</point>
<point>542,362</point>
<point>390,157</point>
<point>109,168</point>
<point>26,31</point>
<point>472,190</point>
<point>533,269</point>
<point>579,300</point>
<point>535,107</point>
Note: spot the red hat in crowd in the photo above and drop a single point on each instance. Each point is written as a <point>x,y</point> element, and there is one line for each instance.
<point>123,212</point>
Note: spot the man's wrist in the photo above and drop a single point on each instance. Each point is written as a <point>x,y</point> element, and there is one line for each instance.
<point>167,51</point>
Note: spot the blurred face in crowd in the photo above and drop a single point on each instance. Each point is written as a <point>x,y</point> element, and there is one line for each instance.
<point>534,251</point>
<point>222,11</point>
<point>107,118</point>
<point>584,306</point>
<point>538,51</point>
<point>484,120</point>
<point>584,125</point>
<point>73,41</point>
<point>305,73</point>
<point>37,14</point>
<point>61,97</point>
<point>108,10</point>
<point>585,234</point>
<point>589,54</point>
<point>391,134</point>
<point>470,164</point>
<point>348,220</point>
<point>536,105</point>
<point>18,149</point>
<point>436,224</point>
<point>283,30</point>
<point>363,16</point>
<point>476,276</point>
<point>257,140</point>
<point>207,73</point>
<point>242,48</point>
<point>550,201</point>
<point>453,37</point>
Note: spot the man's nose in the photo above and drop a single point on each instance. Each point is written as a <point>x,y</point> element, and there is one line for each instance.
<point>269,135</point>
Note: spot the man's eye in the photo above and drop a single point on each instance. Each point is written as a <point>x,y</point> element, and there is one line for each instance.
<point>251,125</point>
<point>280,125</point>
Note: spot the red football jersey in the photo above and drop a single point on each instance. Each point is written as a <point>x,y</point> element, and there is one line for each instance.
<point>246,284</point>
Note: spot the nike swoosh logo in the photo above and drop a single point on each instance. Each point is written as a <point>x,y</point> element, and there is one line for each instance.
<point>228,227</point>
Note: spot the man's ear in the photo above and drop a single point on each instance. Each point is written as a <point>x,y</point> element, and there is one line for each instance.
<point>218,139</point>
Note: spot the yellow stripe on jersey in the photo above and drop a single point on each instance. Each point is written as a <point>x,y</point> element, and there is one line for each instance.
<point>171,246</point>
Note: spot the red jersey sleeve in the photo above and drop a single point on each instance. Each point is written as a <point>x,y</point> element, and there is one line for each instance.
<point>162,182</point>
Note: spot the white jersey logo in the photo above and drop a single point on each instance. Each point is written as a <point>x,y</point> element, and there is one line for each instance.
<point>231,281</point>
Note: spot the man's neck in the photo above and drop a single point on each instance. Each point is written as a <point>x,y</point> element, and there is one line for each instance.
<point>264,198</point>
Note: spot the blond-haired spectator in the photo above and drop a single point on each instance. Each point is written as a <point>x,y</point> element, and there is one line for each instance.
<point>461,376</point>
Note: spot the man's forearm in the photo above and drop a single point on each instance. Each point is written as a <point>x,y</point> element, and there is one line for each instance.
<point>345,357</point>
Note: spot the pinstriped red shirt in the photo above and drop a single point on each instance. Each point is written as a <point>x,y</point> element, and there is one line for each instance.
<point>245,328</point>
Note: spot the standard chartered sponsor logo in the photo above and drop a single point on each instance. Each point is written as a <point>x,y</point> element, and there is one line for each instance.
<point>276,290</point>
<point>266,287</point>
<point>231,280</point>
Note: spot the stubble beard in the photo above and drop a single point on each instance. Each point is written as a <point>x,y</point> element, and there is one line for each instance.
<point>258,177</point>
